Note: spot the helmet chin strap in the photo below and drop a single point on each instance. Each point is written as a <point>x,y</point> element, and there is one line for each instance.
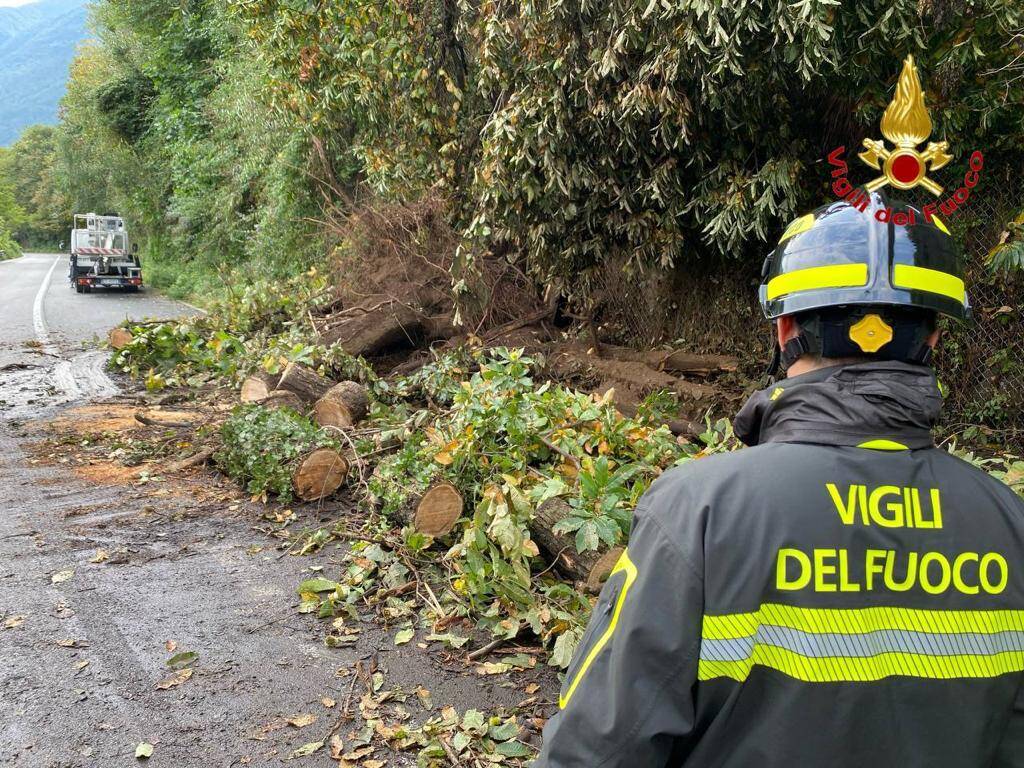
<point>772,374</point>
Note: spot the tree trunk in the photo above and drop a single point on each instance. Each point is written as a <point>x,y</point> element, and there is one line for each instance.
<point>282,398</point>
<point>119,337</point>
<point>344,405</point>
<point>258,387</point>
<point>591,568</point>
<point>304,382</point>
<point>319,474</point>
<point>388,327</point>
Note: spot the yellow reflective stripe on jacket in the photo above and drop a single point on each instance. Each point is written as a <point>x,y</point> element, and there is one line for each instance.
<point>831,276</point>
<point>859,620</point>
<point>623,564</point>
<point>883,445</point>
<point>834,645</point>
<point>930,280</point>
<point>845,669</point>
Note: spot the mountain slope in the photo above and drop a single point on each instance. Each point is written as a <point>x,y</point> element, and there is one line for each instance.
<point>37,43</point>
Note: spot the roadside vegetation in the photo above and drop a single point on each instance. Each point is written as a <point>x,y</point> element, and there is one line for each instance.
<point>543,475</point>
<point>402,218</point>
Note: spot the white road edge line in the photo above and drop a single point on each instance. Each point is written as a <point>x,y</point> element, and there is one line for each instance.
<point>38,317</point>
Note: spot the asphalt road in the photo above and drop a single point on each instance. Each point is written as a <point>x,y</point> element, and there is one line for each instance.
<point>47,328</point>
<point>84,642</point>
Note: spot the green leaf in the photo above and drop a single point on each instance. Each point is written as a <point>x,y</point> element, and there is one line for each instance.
<point>144,751</point>
<point>305,750</point>
<point>182,659</point>
<point>503,732</point>
<point>318,584</point>
<point>513,749</point>
<point>403,636</point>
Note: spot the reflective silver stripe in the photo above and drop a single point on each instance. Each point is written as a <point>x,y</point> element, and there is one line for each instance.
<point>867,644</point>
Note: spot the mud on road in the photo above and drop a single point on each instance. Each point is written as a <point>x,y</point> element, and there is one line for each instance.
<point>104,578</point>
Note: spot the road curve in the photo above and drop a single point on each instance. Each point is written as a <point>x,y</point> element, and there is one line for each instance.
<point>48,328</point>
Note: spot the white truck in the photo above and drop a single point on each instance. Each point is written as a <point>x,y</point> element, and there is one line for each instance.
<point>101,255</point>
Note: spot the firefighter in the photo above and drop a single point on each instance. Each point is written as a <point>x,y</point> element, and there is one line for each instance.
<point>840,593</point>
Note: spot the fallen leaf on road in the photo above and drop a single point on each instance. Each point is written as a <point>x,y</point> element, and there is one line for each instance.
<point>358,754</point>
<point>177,678</point>
<point>328,702</point>
<point>101,556</point>
<point>61,576</point>
<point>171,646</point>
<point>70,642</point>
<point>337,747</point>
<point>302,720</point>
<point>144,751</point>
<point>403,636</point>
<point>182,659</point>
<point>82,664</point>
<point>373,764</point>
<point>13,621</point>
<point>532,688</point>
<point>305,749</point>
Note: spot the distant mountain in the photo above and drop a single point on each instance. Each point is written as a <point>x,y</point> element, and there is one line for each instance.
<point>37,43</point>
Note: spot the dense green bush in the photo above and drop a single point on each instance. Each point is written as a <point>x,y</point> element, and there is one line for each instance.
<point>261,444</point>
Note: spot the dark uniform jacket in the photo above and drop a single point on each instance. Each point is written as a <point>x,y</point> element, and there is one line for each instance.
<point>840,594</point>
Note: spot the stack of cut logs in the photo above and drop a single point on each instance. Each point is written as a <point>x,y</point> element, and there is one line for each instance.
<point>336,405</point>
<point>340,406</point>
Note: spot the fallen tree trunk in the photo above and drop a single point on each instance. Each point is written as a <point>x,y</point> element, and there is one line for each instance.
<point>119,337</point>
<point>319,474</point>
<point>257,387</point>
<point>633,380</point>
<point>343,405</point>
<point>304,382</point>
<point>387,327</point>
<point>591,568</point>
<point>282,398</point>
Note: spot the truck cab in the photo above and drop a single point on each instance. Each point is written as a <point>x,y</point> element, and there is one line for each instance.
<point>101,255</point>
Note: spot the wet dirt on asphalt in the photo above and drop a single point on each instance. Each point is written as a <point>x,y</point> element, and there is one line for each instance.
<point>103,582</point>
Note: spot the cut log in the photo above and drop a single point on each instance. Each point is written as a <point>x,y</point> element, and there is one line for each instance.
<point>590,568</point>
<point>344,404</point>
<point>304,382</point>
<point>119,337</point>
<point>282,398</point>
<point>319,474</point>
<point>438,510</point>
<point>257,387</point>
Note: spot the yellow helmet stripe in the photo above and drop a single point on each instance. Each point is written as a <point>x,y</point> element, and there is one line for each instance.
<point>797,226</point>
<point>831,276</point>
<point>930,280</point>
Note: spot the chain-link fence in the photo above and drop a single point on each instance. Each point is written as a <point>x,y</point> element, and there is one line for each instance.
<point>714,308</point>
